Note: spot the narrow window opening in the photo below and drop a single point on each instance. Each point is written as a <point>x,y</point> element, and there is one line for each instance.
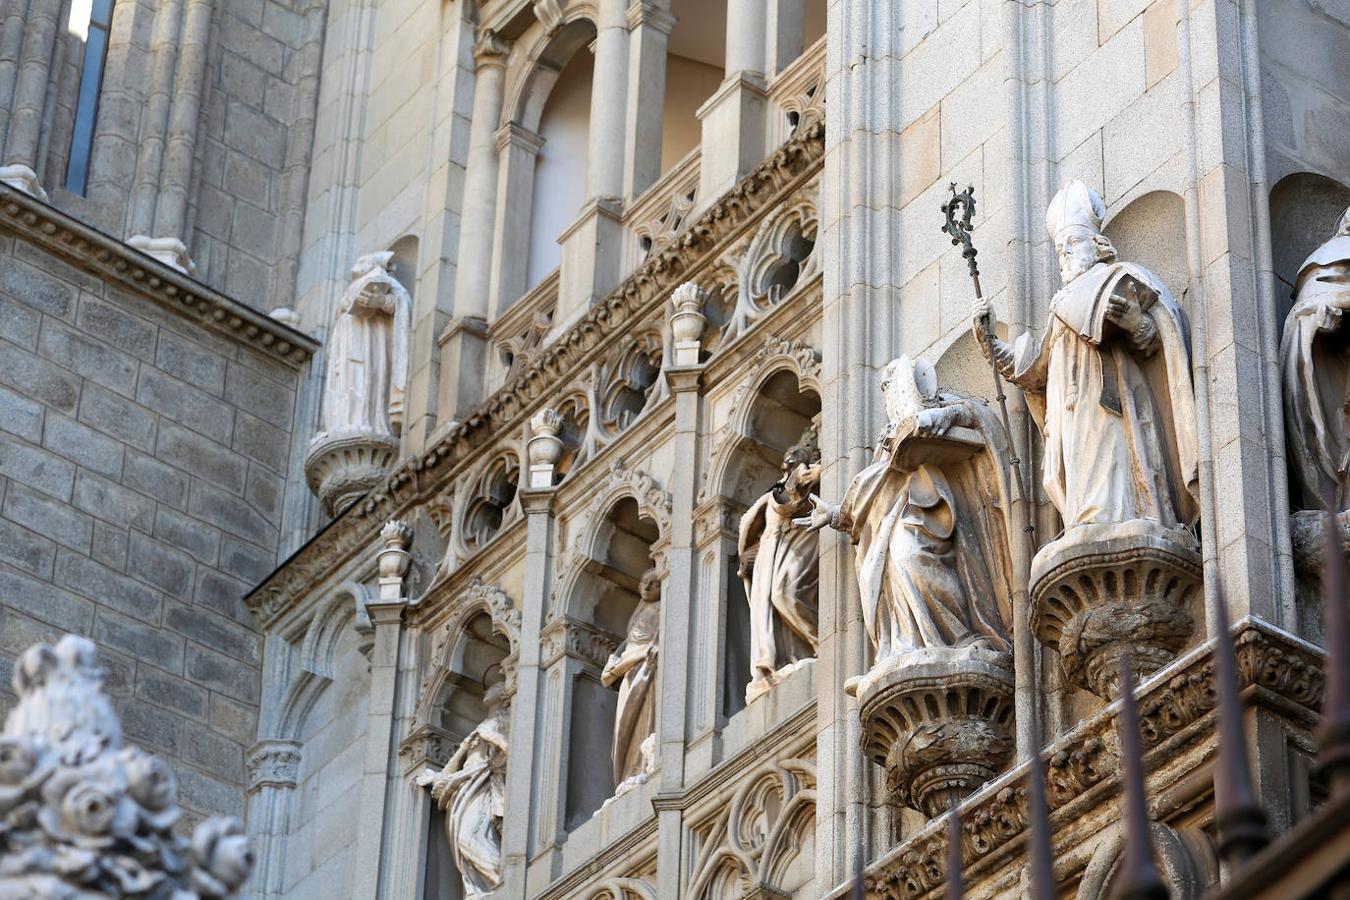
<point>91,84</point>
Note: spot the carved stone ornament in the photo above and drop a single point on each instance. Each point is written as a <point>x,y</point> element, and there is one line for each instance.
<point>563,361</point>
<point>23,178</point>
<point>84,815</point>
<point>1282,666</point>
<point>273,764</point>
<point>545,447</point>
<point>1109,382</point>
<point>928,519</point>
<point>687,322</point>
<point>363,390</point>
<point>1111,591</point>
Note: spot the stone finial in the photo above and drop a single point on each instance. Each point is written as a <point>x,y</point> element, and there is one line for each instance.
<point>545,446</point>
<point>393,559</point>
<point>23,178</point>
<point>687,322</point>
<point>83,814</point>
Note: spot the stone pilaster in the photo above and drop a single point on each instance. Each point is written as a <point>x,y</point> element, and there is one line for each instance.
<point>649,25</point>
<point>858,224</point>
<point>733,118</point>
<point>676,625</point>
<point>273,773</point>
<point>518,151</point>
<point>522,765</point>
<point>464,343</point>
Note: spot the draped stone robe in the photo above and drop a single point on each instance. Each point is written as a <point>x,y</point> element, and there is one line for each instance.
<point>633,665</point>
<point>472,791</point>
<point>1315,357</point>
<point>367,352</point>
<point>928,540</point>
<point>781,569</point>
<point>1117,411</point>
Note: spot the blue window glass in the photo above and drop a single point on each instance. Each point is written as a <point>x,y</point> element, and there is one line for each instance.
<point>86,104</point>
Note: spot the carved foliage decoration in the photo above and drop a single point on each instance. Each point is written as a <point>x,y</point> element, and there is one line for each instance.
<point>479,596</point>
<point>753,842</point>
<point>84,815</point>
<point>637,298</point>
<point>780,256</point>
<point>624,380</point>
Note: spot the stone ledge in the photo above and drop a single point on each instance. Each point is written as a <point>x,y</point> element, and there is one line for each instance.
<point>118,264</point>
<point>1277,671</point>
<point>640,294</point>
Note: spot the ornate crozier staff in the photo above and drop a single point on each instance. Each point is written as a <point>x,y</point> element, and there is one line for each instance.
<point>960,210</point>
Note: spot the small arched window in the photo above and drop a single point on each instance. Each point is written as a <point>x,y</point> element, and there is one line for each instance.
<point>96,22</point>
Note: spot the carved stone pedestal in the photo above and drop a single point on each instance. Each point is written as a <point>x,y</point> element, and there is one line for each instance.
<point>342,467</point>
<point>1103,591</point>
<point>939,720</point>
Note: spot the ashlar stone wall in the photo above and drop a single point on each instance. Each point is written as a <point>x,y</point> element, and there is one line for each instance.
<point>142,458</point>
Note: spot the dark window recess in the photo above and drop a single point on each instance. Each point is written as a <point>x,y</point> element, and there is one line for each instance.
<point>86,105</point>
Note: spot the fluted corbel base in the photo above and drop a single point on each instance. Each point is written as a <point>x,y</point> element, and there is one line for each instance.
<point>939,721</point>
<point>343,467</point>
<point>1100,592</point>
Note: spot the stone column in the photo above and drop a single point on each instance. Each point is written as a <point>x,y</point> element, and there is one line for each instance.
<point>786,34</point>
<point>380,761</point>
<point>859,338</point>
<point>521,764</point>
<point>733,118</point>
<point>518,149</point>
<point>273,773</point>
<point>30,98</point>
<point>715,528</point>
<point>676,622</point>
<point>649,25</point>
<point>593,244</point>
<point>464,344</point>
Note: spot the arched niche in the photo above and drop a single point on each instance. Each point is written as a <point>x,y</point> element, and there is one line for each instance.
<point>1186,860</point>
<point>1304,208</point>
<point>1151,231</point>
<point>404,264</point>
<point>770,419</point>
<point>557,107</point>
<point>602,599</point>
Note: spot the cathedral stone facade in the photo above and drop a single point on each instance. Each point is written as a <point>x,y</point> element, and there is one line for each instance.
<point>672,448</point>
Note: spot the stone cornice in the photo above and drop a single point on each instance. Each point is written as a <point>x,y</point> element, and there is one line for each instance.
<point>111,260</point>
<point>1276,670</point>
<point>637,297</point>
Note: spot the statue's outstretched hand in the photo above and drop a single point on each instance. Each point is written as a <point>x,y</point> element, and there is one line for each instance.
<point>934,422</point>
<point>822,514</point>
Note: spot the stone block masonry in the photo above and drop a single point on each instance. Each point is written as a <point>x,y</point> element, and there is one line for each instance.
<point>138,500</point>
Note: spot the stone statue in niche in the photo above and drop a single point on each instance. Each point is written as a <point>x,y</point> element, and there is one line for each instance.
<point>471,788</point>
<point>780,565</point>
<point>368,352</point>
<point>1109,383</point>
<point>1316,362</point>
<point>928,517</point>
<point>367,376</point>
<point>633,668</point>
<point>84,815</point>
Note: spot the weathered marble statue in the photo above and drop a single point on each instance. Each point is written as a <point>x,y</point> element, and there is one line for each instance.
<point>633,666</point>
<point>84,815</point>
<point>933,561</point>
<point>368,352</point>
<point>1109,383</point>
<point>362,410</point>
<point>780,565</point>
<point>1315,356</point>
<point>471,788</point>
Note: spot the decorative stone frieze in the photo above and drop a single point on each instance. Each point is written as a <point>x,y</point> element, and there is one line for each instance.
<point>1287,670</point>
<point>1103,592</point>
<point>565,636</point>
<point>85,814</point>
<point>638,297</point>
<point>426,746</point>
<point>114,262</point>
<point>273,764</point>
